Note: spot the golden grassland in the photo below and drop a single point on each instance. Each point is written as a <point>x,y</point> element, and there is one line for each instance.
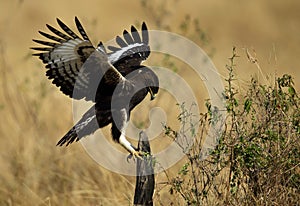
<point>34,114</point>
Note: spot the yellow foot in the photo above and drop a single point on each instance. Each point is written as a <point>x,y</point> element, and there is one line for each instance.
<point>134,155</point>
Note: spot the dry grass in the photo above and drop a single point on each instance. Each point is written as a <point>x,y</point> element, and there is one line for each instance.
<point>34,114</point>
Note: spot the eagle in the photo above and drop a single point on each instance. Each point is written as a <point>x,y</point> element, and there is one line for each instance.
<point>115,80</point>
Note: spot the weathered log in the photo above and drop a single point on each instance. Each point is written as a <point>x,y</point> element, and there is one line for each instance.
<point>145,181</point>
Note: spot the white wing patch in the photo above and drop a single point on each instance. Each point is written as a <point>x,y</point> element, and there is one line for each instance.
<point>113,57</point>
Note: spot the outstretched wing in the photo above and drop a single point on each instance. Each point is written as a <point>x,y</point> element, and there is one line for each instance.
<point>133,48</point>
<point>66,62</point>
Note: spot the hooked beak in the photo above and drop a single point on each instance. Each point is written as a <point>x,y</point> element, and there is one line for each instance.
<point>151,93</point>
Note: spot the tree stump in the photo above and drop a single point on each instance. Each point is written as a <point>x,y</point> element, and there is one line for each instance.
<point>145,181</point>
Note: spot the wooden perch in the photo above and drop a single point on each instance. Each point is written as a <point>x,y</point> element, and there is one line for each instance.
<point>144,187</point>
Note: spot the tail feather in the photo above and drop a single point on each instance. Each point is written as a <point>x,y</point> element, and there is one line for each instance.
<point>83,128</point>
<point>70,137</point>
<point>88,124</point>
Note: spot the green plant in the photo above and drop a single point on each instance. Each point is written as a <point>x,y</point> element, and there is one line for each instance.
<point>257,158</point>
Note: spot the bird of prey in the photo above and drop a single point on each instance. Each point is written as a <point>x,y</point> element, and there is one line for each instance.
<point>115,81</point>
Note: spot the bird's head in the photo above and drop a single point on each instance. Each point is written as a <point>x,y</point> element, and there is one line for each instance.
<point>152,84</point>
<point>153,90</point>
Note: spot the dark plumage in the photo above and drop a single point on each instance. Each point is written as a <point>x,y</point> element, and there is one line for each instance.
<point>115,81</point>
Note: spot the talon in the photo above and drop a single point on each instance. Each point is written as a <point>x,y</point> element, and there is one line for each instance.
<point>134,155</point>
<point>138,154</point>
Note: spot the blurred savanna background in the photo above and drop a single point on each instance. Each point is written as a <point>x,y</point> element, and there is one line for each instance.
<point>35,115</point>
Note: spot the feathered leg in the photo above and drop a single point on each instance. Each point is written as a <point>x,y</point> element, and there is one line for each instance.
<point>118,129</point>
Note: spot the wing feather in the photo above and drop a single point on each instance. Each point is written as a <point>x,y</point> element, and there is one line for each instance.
<point>67,65</point>
<point>121,42</point>
<point>113,48</point>
<point>81,30</point>
<point>145,34</point>
<point>135,35</point>
<point>58,33</point>
<point>41,49</point>
<point>67,29</point>
<point>46,43</point>
<point>127,37</point>
<point>54,38</point>
<point>131,43</point>
<point>66,55</point>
